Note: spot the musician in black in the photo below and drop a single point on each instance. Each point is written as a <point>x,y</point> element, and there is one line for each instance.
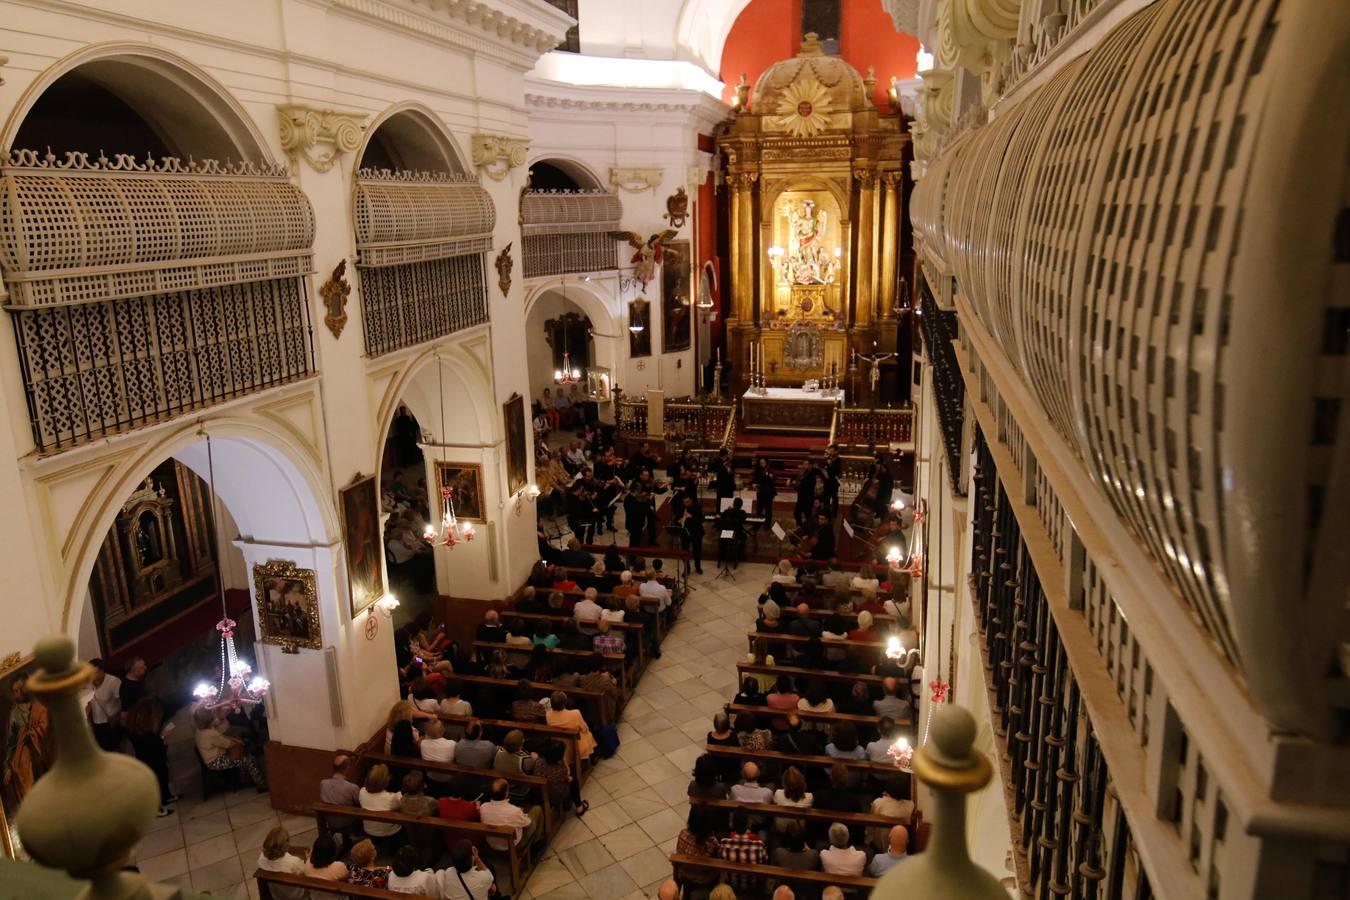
<point>881,471</point>
<point>582,511</point>
<point>609,486</point>
<point>639,508</point>
<point>765,490</point>
<point>690,519</point>
<point>823,549</point>
<point>806,492</point>
<point>732,519</point>
<point>832,472</point>
<point>641,459</point>
<point>722,476</point>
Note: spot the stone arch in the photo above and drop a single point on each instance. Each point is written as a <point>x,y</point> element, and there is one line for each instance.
<point>186,106</point>
<point>410,136</point>
<point>578,171</point>
<point>595,298</point>
<point>274,492</point>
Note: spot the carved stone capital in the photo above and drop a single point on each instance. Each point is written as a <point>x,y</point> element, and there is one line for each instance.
<point>635,179</point>
<point>304,129</point>
<point>866,178</point>
<point>892,179</point>
<point>498,154</point>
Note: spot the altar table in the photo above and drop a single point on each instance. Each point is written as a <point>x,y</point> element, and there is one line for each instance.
<point>790,409</point>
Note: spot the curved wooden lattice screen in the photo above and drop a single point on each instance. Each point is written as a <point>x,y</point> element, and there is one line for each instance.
<point>568,231</point>
<point>420,240</point>
<point>1160,261</point>
<point>144,290</point>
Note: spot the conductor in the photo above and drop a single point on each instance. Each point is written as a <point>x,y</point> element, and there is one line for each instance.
<point>732,520</point>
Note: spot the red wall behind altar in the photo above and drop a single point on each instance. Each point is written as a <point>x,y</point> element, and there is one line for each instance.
<point>767,31</point>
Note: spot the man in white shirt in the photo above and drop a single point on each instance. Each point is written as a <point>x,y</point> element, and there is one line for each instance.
<point>750,790</point>
<point>436,747</point>
<point>839,858</point>
<point>501,811</point>
<point>408,879</point>
<point>652,587</point>
<point>105,707</point>
<point>587,610</point>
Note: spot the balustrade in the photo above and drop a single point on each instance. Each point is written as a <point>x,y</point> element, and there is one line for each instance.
<point>863,427</point>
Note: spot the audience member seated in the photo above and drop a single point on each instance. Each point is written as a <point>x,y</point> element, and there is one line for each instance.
<point>771,621</point>
<point>749,790</point>
<point>501,811</point>
<point>407,878</point>
<point>404,739</point>
<point>587,610</point>
<point>815,699</point>
<point>792,851</point>
<point>453,807</point>
<point>895,852</point>
<point>753,733</point>
<point>783,697</point>
<point>528,601</point>
<point>220,752</point>
<point>804,624</point>
<point>784,573</point>
<point>474,751</point>
<point>513,759</point>
<point>626,587</point>
<point>544,636</point>
<point>838,794</point>
<point>706,784</point>
<point>893,802</point>
<point>840,858</point>
<point>891,704</point>
<point>361,868</point>
<point>337,790</point>
<point>492,629</point>
<point>697,839</point>
<point>562,784</point>
<point>743,846</point>
<point>276,857</point>
<point>864,631</point>
<point>866,579</point>
<point>574,557</point>
<point>415,802</point>
<point>845,743</point>
<point>607,641</point>
<point>880,749</point>
<point>467,877</point>
<point>323,860</point>
<point>749,694</point>
<point>799,739</point>
<point>560,715</point>
<point>525,708</point>
<point>652,588</point>
<point>859,702</point>
<point>375,795</point>
<point>451,704</point>
<point>614,609</point>
<point>792,793</point>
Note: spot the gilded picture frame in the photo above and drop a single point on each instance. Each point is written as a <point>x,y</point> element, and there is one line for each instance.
<point>467,480</point>
<point>27,726</point>
<point>517,428</point>
<point>359,504</point>
<point>288,605</point>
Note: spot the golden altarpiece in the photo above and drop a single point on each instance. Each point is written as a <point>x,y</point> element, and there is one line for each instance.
<point>816,180</point>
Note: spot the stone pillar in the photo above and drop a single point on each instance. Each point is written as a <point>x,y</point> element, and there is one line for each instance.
<point>890,251</point>
<point>864,298</point>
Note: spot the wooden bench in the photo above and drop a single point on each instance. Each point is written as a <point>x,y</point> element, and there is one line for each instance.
<point>664,619</point>
<point>783,760</point>
<point>805,814</point>
<point>577,696</point>
<point>317,886</point>
<point>797,673</point>
<point>322,811</point>
<point>569,736</point>
<point>871,723</point>
<point>873,649</point>
<point>535,783</point>
<point>609,661</point>
<point>633,630</point>
<point>818,881</point>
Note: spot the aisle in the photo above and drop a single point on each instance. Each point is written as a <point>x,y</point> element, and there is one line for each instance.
<point>621,848</point>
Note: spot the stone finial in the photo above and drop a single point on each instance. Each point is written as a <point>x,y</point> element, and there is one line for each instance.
<point>59,825</point>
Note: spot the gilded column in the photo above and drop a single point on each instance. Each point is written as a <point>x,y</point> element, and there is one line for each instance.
<point>737,306</point>
<point>890,247</point>
<point>745,235</point>
<point>864,297</point>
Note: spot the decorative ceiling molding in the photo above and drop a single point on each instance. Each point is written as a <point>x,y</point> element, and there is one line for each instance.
<point>471,24</point>
<point>498,154</point>
<point>304,128</point>
<point>635,179</point>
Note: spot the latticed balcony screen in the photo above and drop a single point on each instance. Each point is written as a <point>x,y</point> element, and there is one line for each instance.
<point>409,304</point>
<point>561,254</point>
<point>568,231</point>
<point>95,369</point>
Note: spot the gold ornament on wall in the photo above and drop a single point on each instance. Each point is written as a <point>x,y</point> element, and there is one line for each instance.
<point>288,605</point>
<point>677,208</point>
<point>504,266</point>
<point>334,293</point>
<point>802,108</point>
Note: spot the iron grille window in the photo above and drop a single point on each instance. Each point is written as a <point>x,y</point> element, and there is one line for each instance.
<point>91,370</point>
<point>558,254</point>
<point>572,41</point>
<point>408,304</point>
<point>949,387</point>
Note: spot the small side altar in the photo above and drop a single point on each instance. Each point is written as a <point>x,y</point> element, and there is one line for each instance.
<point>790,409</point>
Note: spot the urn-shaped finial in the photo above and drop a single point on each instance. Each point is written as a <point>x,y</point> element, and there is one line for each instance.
<point>952,768</point>
<point>88,812</point>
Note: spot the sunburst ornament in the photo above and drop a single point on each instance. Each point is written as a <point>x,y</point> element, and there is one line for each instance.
<point>802,107</point>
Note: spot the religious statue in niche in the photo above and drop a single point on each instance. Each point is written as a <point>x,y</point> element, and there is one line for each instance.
<point>808,260</point>
<point>648,251</point>
<point>804,348</point>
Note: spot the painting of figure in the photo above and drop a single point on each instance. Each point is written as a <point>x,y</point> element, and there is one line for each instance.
<point>465,481</point>
<point>676,304</point>
<point>517,446</point>
<point>288,604</point>
<point>360,507</point>
<point>28,747</point>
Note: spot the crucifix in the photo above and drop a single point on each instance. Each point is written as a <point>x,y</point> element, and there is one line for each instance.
<point>873,361</point>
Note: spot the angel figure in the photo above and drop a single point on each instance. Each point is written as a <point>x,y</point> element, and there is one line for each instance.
<point>648,251</point>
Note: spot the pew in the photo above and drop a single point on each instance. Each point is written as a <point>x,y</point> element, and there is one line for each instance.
<point>632,630</point>
<point>566,735</point>
<point>780,761</point>
<point>594,699</point>
<point>818,881</point>
<point>797,673</point>
<point>322,886</point>
<point>535,782</point>
<point>608,660</point>
<point>322,811</point>
<point>863,723</point>
<point>874,649</point>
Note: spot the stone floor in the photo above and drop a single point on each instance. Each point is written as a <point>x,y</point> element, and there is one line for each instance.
<point>620,850</point>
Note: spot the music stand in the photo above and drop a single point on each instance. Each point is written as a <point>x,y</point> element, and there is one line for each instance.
<point>726,550</point>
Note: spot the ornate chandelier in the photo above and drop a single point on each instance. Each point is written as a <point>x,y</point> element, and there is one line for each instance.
<point>452,531</point>
<point>567,374</point>
<point>236,687</point>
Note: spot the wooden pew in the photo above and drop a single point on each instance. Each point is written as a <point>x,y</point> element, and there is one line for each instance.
<point>819,816</point>
<point>535,782</point>
<point>649,604</point>
<point>609,661</point>
<point>869,723</point>
<point>797,673</point>
<point>865,649</point>
<point>566,735</point>
<point>322,886</point>
<point>631,630</point>
<point>466,829</point>
<point>818,881</point>
<point>783,760</point>
<point>594,699</point>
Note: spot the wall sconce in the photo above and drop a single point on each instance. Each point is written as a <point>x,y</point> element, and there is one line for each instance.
<point>387,604</point>
<point>893,556</point>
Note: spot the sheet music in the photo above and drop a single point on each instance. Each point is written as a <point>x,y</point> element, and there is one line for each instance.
<point>725,504</point>
<point>727,535</point>
<point>848,529</point>
<point>778,532</point>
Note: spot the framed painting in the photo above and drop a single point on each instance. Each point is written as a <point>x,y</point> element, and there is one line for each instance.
<point>29,749</point>
<point>360,506</point>
<point>517,446</point>
<point>288,605</point>
<point>639,316</point>
<point>466,480</point>
<point>676,304</point>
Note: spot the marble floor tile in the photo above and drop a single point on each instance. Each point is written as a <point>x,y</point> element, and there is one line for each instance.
<point>610,883</point>
<point>573,831</point>
<point>685,756</point>
<point>573,891</point>
<point>211,850</point>
<point>250,837</point>
<point>674,790</point>
<point>585,858</point>
<point>207,826</point>
<point>656,770</point>
<point>255,810</point>
<point>626,841</point>
<point>652,724</point>
<point>622,783</point>
<point>662,826</point>
<point>604,818</point>
<point>547,876</point>
<point>641,804</point>
<point>158,842</point>
<point>648,865</point>
<point>638,751</point>
<point>163,866</point>
<point>217,875</point>
<point>668,740</point>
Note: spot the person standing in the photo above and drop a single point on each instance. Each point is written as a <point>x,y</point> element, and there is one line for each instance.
<point>833,472</point>
<point>145,724</point>
<point>132,687</point>
<point>765,490</point>
<point>806,492</point>
<point>104,708</point>
<point>691,520</point>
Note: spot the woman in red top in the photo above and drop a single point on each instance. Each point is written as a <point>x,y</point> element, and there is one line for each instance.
<point>783,697</point>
